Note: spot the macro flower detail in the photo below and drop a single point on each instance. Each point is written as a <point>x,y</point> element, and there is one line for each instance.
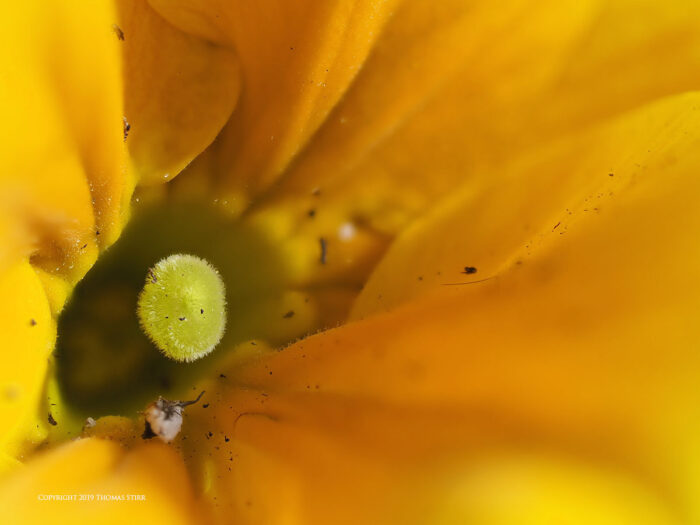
<point>454,247</point>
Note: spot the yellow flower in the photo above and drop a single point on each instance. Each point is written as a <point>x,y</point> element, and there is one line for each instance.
<point>495,201</point>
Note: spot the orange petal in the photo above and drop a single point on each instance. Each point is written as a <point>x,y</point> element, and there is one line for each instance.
<point>448,95</point>
<point>574,370</point>
<point>452,89</point>
<point>499,220</point>
<point>297,60</point>
<point>179,92</point>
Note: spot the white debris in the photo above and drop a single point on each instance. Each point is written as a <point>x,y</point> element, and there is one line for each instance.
<point>346,231</point>
<point>164,418</point>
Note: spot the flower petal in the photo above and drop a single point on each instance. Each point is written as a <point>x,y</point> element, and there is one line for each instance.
<point>179,92</point>
<point>319,477</point>
<point>297,60</point>
<point>63,187</point>
<point>64,167</point>
<point>95,468</point>
<point>430,111</point>
<point>449,92</point>
<point>582,358</point>
<point>499,220</point>
<point>398,141</point>
<point>28,338</point>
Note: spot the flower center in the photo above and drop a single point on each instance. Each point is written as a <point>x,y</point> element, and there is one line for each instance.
<point>106,364</point>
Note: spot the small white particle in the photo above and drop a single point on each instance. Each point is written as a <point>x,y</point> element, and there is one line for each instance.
<point>165,419</point>
<point>346,231</point>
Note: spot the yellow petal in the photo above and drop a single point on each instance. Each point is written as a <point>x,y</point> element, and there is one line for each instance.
<point>28,337</point>
<point>500,219</point>
<point>96,469</point>
<point>297,60</point>
<point>63,188</point>
<point>451,89</point>
<point>429,107</point>
<point>449,94</point>
<point>584,354</point>
<point>179,92</point>
<point>64,175</point>
<point>530,489</point>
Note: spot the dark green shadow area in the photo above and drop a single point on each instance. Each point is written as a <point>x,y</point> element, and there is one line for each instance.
<point>105,364</point>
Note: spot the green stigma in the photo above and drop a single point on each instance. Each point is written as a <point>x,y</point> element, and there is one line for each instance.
<point>182,307</point>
